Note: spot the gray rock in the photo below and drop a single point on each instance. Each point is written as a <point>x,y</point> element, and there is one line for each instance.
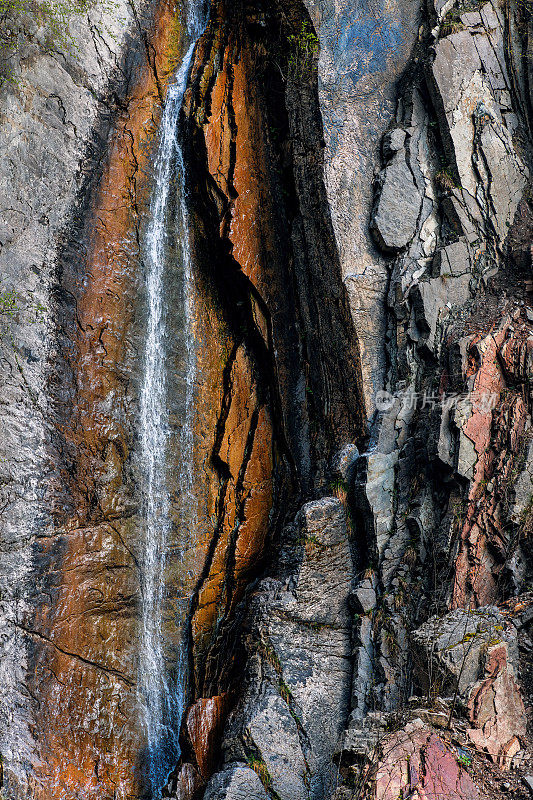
<point>363,668</point>
<point>466,75</point>
<point>442,7</point>
<point>434,299</point>
<point>454,259</point>
<point>345,462</point>
<point>365,596</point>
<point>398,206</point>
<point>467,457</point>
<point>379,492</point>
<point>527,780</point>
<point>273,731</point>
<point>236,782</point>
<point>393,141</point>
<point>522,490</point>
<point>299,691</point>
<point>456,60</point>
<point>472,19</point>
<point>453,645</point>
<point>363,735</point>
<point>445,444</point>
<point>460,219</point>
<point>327,565</point>
<point>357,93</point>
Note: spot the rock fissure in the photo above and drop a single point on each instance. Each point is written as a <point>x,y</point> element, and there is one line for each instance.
<point>76,656</point>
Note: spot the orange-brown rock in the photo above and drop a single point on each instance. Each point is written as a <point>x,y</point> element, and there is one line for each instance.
<point>204,722</point>
<point>84,635</point>
<point>265,267</point>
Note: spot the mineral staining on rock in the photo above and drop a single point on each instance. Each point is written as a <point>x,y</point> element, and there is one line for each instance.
<point>357,185</point>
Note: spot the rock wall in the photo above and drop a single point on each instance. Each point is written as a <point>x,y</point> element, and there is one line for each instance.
<point>56,119</point>
<point>273,408</point>
<point>356,586</point>
<point>439,499</point>
<point>364,49</point>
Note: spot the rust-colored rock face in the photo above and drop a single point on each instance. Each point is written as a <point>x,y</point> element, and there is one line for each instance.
<point>310,582</point>
<point>84,634</point>
<point>260,440</point>
<point>289,396</point>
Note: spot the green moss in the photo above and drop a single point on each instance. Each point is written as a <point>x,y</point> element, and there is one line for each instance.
<point>271,657</point>
<point>9,304</point>
<point>12,308</point>
<point>175,43</point>
<point>464,760</point>
<point>451,26</point>
<point>284,691</point>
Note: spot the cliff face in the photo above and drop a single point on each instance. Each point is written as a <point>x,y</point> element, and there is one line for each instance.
<point>345,602</point>
<point>79,129</point>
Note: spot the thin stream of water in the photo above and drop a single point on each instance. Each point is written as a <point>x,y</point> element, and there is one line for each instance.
<point>163,702</point>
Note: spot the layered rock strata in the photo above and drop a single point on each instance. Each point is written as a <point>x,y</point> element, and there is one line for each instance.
<point>441,496</point>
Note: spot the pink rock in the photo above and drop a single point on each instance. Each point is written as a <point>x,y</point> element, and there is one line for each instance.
<point>496,709</point>
<point>417,763</point>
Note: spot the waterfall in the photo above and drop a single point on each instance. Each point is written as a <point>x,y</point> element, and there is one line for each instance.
<point>161,699</point>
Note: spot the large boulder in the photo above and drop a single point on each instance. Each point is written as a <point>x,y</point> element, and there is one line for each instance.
<point>419,764</point>
<point>399,201</point>
<point>238,782</point>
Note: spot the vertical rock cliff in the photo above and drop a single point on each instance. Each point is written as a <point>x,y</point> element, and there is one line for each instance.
<point>266,470</point>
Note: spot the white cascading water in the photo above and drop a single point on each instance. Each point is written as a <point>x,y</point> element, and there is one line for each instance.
<point>162,702</point>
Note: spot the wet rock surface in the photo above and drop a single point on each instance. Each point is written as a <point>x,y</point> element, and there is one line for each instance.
<point>55,666</point>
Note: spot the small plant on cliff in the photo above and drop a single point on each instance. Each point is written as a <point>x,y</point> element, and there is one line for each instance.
<point>451,23</point>
<point>260,768</point>
<point>13,309</point>
<point>464,759</point>
<point>9,306</point>
<point>445,180</point>
<point>285,692</point>
<point>304,46</point>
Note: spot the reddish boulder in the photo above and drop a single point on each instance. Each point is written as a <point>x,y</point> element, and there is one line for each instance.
<point>496,709</point>
<point>204,723</point>
<point>417,763</point>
